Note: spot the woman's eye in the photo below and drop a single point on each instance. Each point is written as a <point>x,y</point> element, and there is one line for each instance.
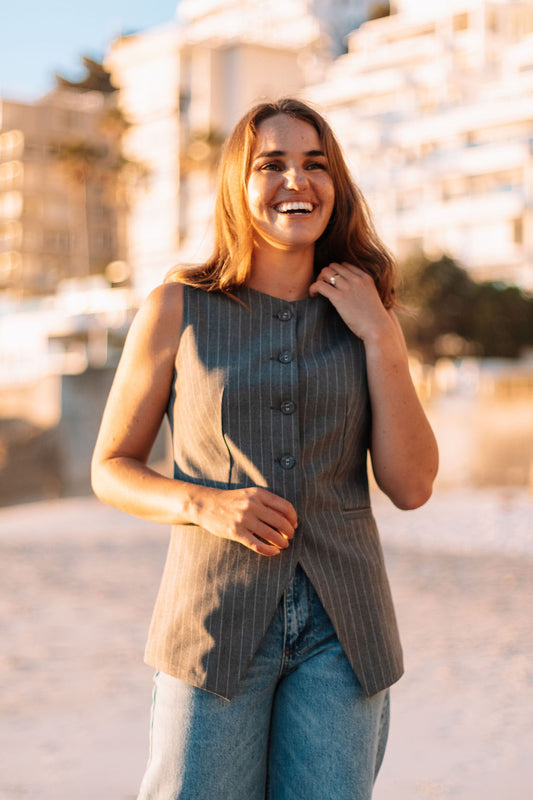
<point>273,166</point>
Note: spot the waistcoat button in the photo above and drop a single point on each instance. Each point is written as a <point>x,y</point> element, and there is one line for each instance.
<point>287,462</point>
<point>285,314</point>
<point>288,407</point>
<point>285,357</point>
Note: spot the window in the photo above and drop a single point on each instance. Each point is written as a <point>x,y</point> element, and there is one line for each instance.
<point>57,240</point>
<point>460,22</point>
<point>454,187</point>
<point>10,235</point>
<point>11,144</point>
<point>10,175</point>
<point>9,263</point>
<point>518,230</point>
<point>11,205</point>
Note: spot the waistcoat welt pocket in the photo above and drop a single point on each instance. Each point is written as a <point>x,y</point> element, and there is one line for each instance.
<point>356,513</point>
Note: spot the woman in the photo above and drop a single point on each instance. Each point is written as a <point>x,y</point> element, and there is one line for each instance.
<point>279,363</point>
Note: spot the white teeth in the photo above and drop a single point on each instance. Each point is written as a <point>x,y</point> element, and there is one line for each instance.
<point>285,208</point>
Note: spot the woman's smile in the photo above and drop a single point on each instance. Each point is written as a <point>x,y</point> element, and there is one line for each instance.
<point>294,207</point>
<point>290,190</point>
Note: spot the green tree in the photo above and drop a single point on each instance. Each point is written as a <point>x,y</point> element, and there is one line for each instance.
<point>446,312</point>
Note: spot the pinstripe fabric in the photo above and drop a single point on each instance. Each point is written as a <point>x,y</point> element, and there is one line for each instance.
<point>271,393</point>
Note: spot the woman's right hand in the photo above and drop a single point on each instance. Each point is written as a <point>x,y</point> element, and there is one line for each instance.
<point>254,517</point>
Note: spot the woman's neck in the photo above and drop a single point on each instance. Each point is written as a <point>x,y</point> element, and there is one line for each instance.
<point>282,274</point>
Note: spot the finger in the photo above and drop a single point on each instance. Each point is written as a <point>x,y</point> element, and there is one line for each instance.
<point>270,535</point>
<point>324,288</point>
<point>351,269</point>
<point>259,546</point>
<point>332,274</point>
<point>282,506</point>
<point>277,521</point>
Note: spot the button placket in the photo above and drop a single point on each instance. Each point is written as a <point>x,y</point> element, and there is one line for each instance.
<point>289,385</point>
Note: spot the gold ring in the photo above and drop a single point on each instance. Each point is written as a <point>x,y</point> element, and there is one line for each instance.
<point>333,279</point>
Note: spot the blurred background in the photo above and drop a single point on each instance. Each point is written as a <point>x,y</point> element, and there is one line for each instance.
<point>106,181</point>
<point>107,172</point>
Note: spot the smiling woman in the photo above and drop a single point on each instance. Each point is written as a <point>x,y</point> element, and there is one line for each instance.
<point>349,233</point>
<point>290,192</point>
<point>280,364</point>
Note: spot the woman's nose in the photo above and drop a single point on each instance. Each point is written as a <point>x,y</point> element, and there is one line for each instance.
<point>295,178</point>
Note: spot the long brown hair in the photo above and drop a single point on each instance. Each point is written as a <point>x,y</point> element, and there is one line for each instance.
<point>349,236</point>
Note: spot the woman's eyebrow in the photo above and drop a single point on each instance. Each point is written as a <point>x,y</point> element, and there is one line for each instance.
<point>278,153</point>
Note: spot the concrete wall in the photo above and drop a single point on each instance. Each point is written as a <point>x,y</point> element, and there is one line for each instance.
<point>39,461</point>
<point>83,399</point>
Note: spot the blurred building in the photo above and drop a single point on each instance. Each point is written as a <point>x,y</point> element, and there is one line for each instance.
<point>434,108</point>
<point>432,104</point>
<point>60,215</point>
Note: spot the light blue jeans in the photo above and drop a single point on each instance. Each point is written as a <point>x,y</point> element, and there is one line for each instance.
<point>299,728</point>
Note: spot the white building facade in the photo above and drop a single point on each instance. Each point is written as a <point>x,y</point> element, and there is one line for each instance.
<point>434,108</point>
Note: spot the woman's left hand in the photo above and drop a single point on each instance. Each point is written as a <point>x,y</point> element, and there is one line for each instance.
<point>403,448</point>
<point>355,296</point>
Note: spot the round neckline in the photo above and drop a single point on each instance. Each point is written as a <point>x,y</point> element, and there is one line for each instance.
<point>273,297</point>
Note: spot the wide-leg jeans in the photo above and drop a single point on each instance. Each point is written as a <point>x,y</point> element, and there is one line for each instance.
<point>299,728</point>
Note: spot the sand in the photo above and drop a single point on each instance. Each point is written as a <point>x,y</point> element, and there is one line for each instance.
<point>78,585</point>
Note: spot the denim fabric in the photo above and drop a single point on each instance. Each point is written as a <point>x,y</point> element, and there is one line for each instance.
<point>300,725</point>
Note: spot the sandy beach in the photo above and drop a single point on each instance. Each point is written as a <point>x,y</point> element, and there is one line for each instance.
<point>79,581</point>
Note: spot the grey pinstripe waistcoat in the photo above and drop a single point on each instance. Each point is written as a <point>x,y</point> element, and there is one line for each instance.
<point>274,394</point>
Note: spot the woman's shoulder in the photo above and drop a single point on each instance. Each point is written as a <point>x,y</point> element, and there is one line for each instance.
<point>174,299</point>
<point>158,321</point>
<point>166,297</point>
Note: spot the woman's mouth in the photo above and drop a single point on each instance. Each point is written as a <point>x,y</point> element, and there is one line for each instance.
<point>294,207</point>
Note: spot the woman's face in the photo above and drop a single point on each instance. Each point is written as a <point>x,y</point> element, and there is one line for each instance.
<point>290,191</point>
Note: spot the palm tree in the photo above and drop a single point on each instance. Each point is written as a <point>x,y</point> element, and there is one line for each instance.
<point>80,161</point>
<point>97,79</point>
<point>122,176</point>
<point>100,166</point>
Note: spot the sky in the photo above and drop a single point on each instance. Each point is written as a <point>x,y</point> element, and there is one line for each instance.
<point>41,37</point>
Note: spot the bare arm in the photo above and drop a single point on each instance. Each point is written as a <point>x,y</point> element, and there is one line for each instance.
<point>133,415</point>
<point>403,448</point>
